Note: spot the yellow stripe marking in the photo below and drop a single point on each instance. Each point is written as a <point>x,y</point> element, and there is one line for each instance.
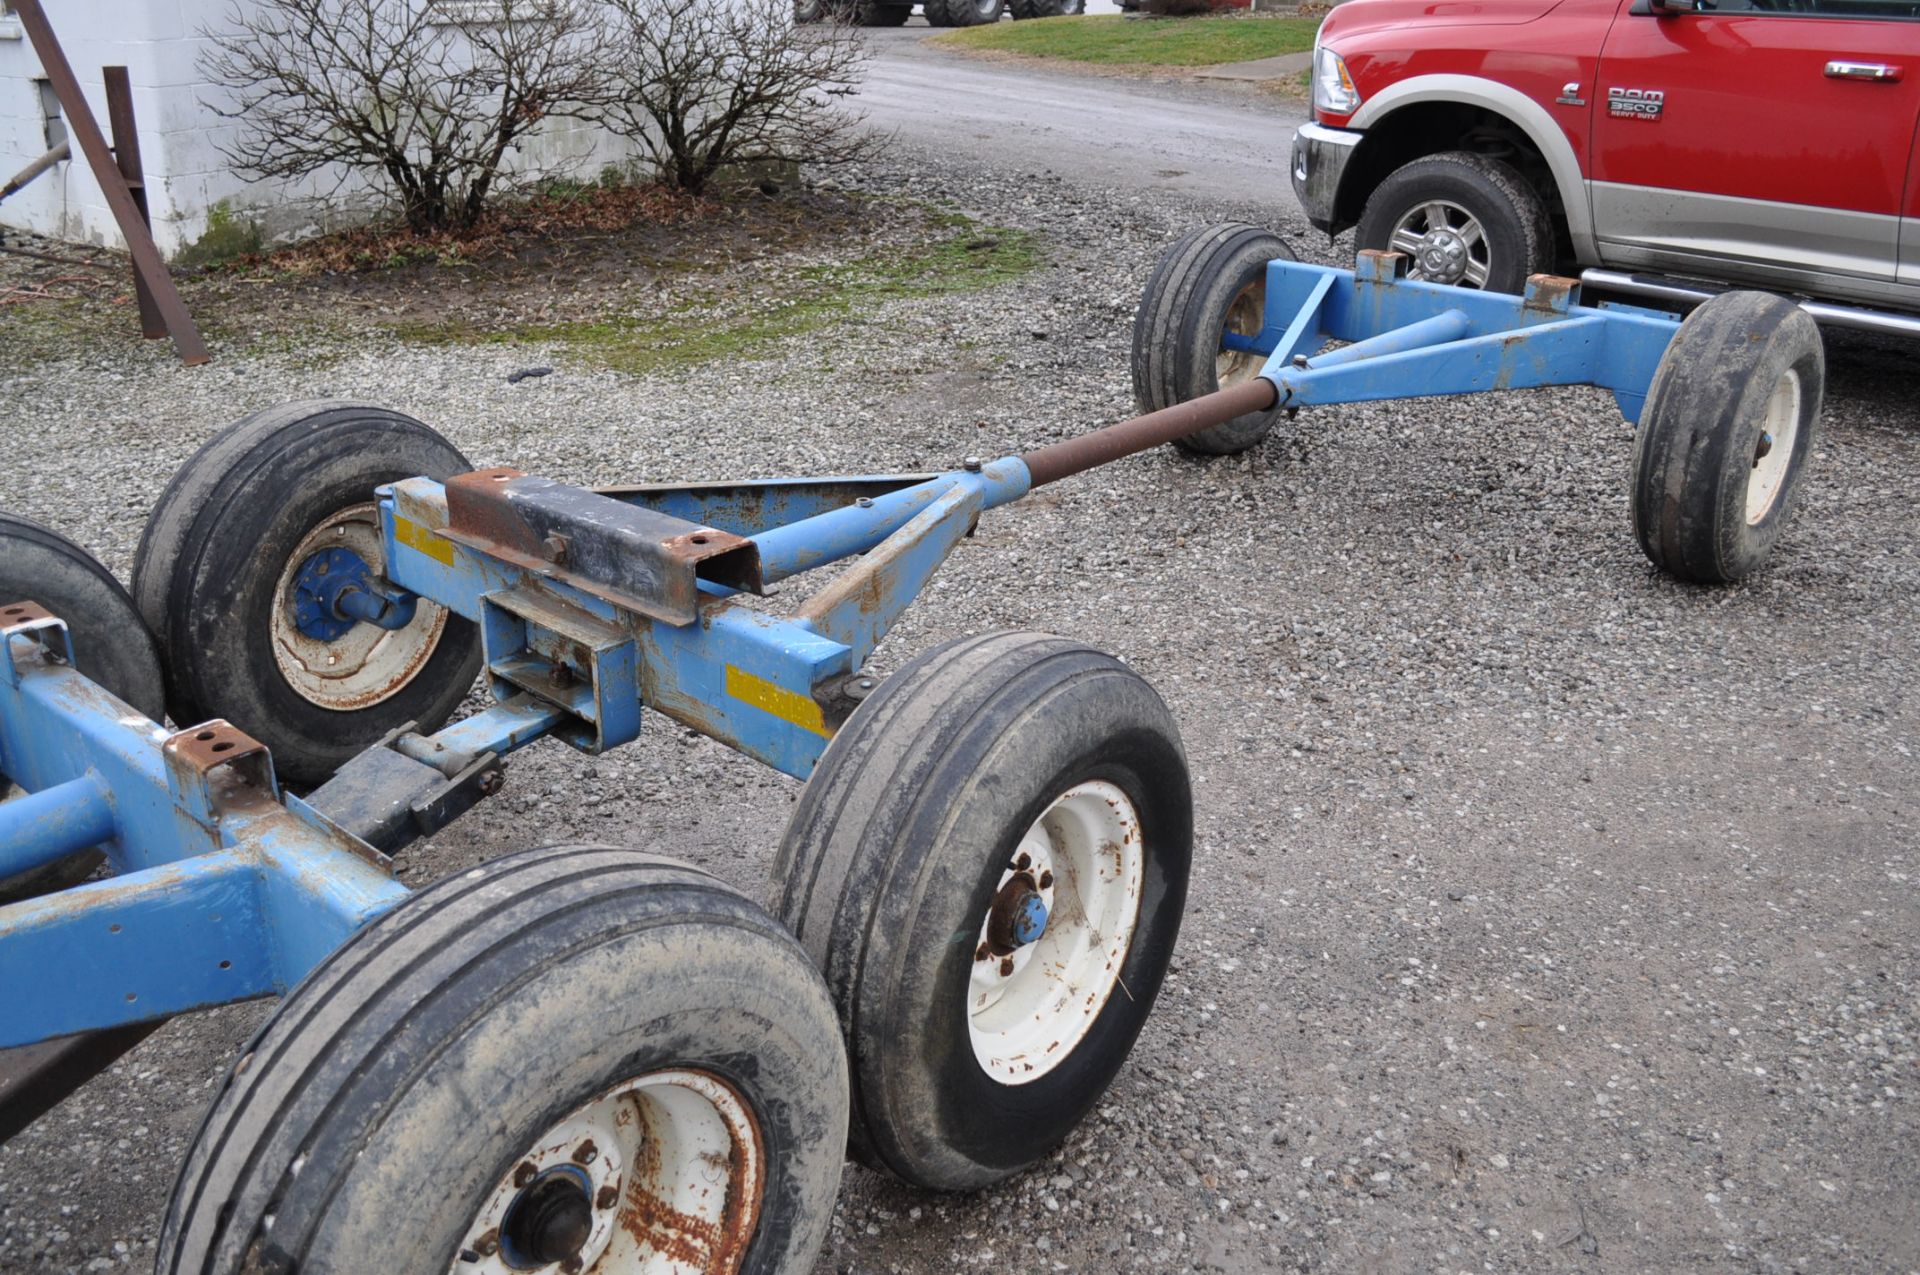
<point>420,540</point>
<point>788,706</point>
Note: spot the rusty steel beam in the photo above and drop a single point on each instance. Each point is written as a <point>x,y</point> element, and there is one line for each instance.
<point>1077,455</point>
<point>85,130</point>
<point>126,153</point>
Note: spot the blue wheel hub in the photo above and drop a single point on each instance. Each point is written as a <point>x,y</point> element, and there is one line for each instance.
<point>318,587</point>
<point>1030,921</point>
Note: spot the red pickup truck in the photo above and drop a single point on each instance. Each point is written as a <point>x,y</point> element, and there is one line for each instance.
<point>1666,148</point>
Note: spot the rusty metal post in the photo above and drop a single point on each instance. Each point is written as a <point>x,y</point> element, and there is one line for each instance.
<point>86,133</point>
<point>126,153</point>
<point>1076,455</point>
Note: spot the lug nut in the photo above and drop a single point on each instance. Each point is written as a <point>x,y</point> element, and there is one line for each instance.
<point>586,1152</point>
<point>525,1173</point>
<point>607,1198</point>
<point>1006,967</point>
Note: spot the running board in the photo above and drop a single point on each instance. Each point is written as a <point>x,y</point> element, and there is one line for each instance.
<point>1688,292</point>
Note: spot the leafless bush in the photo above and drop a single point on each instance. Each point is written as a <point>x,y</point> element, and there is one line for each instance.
<point>707,85</point>
<point>401,89</point>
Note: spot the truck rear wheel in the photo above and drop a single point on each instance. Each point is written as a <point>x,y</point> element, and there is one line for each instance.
<point>1045,8</point>
<point>1464,219</point>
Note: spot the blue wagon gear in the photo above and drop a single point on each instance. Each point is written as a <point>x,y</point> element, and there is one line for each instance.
<point>582,1058</point>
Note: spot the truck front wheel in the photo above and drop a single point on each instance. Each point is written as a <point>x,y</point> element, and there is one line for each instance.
<point>1464,219</point>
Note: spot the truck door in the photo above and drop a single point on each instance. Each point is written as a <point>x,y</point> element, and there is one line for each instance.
<point>1766,139</point>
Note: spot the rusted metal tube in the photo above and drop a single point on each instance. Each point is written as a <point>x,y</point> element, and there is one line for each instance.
<point>1075,455</point>
<point>55,156</point>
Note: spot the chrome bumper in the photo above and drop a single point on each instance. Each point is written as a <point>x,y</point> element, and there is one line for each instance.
<point>1320,156</point>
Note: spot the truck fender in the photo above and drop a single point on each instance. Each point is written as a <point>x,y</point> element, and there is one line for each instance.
<point>1528,115</point>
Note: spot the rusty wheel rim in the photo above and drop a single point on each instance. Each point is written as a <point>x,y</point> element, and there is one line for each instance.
<point>659,1175</point>
<point>1245,317</point>
<point>1031,1002</point>
<point>367,665</point>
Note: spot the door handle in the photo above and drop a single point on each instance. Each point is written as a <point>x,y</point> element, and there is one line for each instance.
<point>1879,72</point>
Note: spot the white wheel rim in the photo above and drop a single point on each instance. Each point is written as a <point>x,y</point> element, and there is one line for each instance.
<point>1245,317</point>
<point>671,1165</point>
<point>1773,453</point>
<point>368,664</point>
<point>1447,243</point>
<point>1028,1009</point>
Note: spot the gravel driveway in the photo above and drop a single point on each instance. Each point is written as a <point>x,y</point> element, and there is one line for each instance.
<point>1547,915</point>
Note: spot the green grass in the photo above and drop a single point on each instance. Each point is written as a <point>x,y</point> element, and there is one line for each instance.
<point>1114,40</point>
<point>742,323</point>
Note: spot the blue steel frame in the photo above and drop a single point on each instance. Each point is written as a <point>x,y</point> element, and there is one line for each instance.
<point>228,888</point>
<point>1412,339</point>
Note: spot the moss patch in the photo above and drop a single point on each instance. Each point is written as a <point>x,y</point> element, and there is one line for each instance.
<point>228,236</point>
<point>1113,40</point>
<point>775,305</point>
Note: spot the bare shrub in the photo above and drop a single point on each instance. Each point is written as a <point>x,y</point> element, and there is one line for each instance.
<point>398,89</point>
<point>707,85</point>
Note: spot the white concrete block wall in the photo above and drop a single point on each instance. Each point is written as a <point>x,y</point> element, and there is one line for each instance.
<point>159,43</point>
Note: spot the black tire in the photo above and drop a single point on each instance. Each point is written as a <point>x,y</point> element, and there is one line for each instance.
<point>111,645</point>
<point>870,13</point>
<point>409,1074</point>
<point>981,734</point>
<point>1045,8</point>
<point>1706,508</point>
<point>810,11</point>
<point>964,13</point>
<point>1517,232</point>
<point>1209,278</point>
<point>208,572</point>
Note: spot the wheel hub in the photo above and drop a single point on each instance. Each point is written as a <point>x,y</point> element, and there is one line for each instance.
<point>1018,916</point>
<point>317,586</point>
<point>549,1221</point>
<point>1442,255</point>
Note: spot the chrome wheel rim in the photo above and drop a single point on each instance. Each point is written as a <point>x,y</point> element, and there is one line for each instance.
<point>1245,317</point>
<point>366,665</point>
<point>1031,1002</point>
<point>658,1175</point>
<point>1447,243</point>
<point>1773,451</point>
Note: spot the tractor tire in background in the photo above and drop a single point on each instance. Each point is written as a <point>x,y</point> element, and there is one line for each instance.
<point>871,13</point>
<point>964,13</point>
<point>1045,8</point>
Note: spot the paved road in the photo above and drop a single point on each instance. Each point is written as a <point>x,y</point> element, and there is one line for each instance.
<point>1220,143</point>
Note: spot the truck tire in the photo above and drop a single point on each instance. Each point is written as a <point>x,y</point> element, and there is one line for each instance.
<point>573,1058</point>
<point>810,11</point>
<point>1211,280</point>
<point>964,13</point>
<point>1464,219</point>
<point>1724,436</point>
<point>1045,8</point>
<point>991,775</point>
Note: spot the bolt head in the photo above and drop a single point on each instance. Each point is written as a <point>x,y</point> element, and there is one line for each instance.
<point>971,464</point>
<point>525,1173</point>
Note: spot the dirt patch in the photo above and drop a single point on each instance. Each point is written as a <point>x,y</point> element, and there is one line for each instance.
<point>549,268</point>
